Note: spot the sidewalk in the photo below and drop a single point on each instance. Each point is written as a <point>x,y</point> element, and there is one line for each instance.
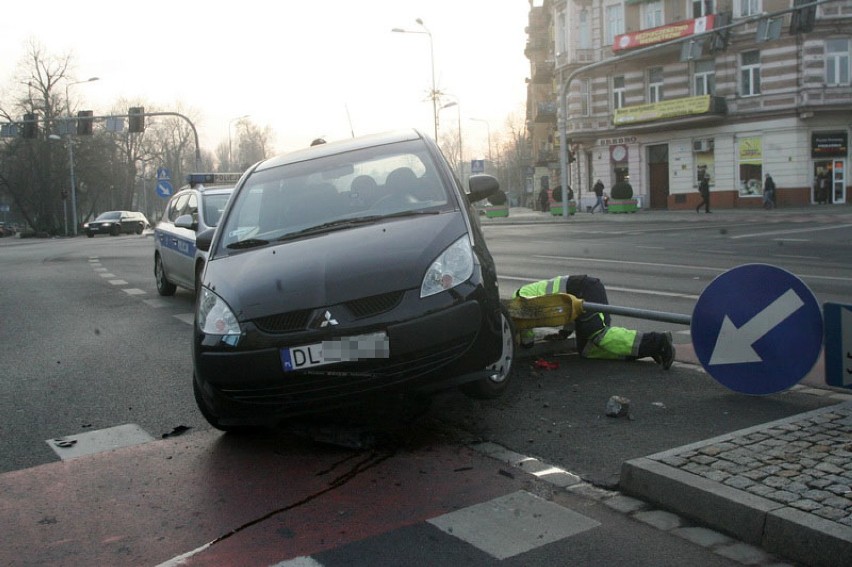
<point>786,485</point>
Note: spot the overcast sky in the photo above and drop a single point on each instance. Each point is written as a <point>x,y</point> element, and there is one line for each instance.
<point>303,68</point>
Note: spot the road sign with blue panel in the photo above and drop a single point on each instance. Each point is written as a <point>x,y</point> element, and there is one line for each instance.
<point>757,329</point>
<point>838,345</point>
<point>164,173</point>
<point>164,188</point>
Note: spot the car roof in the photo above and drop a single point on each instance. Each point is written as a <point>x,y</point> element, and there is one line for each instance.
<point>341,146</point>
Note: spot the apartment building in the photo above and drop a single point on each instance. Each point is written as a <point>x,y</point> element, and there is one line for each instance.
<point>665,92</point>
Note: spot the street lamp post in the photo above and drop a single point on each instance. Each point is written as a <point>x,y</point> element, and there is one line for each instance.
<point>434,93</point>
<point>488,126</point>
<point>230,162</point>
<point>461,155</point>
<point>71,151</point>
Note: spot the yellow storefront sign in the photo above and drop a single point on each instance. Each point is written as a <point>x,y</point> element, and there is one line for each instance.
<point>666,109</point>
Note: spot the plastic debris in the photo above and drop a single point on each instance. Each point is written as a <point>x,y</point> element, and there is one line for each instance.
<point>545,364</point>
<point>179,430</point>
<point>617,406</point>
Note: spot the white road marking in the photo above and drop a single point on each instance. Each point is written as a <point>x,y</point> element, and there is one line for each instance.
<point>516,523</point>
<point>133,291</point>
<point>188,318</point>
<point>791,231</point>
<point>92,442</point>
<point>118,282</point>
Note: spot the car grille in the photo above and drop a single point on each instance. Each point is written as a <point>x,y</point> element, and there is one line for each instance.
<point>284,322</point>
<point>374,305</point>
<point>360,308</point>
<point>342,380</point>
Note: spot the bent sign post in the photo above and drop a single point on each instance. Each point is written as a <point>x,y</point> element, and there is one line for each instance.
<point>757,329</point>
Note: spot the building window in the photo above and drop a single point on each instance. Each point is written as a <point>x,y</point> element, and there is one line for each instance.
<point>618,92</point>
<point>701,8</point>
<point>614,22</point>
<point>750,73</point>
<point>836,62</point>
<point>655,84</point>
<point>704,78</point>
<point>561,33</point>
<point>749,8</point>
<point>585,97</point>
<point>584,39</point>
<point>750,166</point>
<point>652,14</point>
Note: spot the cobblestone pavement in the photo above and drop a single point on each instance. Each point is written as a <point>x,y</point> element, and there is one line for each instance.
<point>785,486</point>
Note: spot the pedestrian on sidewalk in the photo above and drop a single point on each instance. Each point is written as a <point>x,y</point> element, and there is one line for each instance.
<point>596,338</point>
<point>599,191</point>
<point>768,193</point>
<point>704,190</point>
<point>543,200</point>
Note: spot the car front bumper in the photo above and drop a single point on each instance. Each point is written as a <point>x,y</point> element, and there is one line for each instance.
<point>430,352</point>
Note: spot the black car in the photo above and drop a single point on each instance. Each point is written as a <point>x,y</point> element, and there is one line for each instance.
<point>116,222</point>
<point>345,273</point>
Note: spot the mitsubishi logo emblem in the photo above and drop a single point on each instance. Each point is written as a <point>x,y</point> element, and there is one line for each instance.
<point>328,320</point>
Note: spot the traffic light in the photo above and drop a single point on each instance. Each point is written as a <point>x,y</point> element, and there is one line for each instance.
<point>803,20</point>
<point>30,130</point>
<point>137,119</point>
<point>84,122</point>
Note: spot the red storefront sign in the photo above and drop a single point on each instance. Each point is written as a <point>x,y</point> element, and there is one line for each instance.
<point>662,34</point>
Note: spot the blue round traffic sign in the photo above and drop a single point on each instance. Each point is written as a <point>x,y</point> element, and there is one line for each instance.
<point>757,329</point>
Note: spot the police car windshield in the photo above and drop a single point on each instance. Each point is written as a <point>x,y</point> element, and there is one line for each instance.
<point>323,194</point>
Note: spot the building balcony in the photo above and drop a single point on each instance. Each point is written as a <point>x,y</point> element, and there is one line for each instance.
<point>545,157</point>
<point>546,112</point>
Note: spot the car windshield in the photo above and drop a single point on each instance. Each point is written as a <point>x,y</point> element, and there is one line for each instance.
<point>213,207</point>
<point>333,193</point>
<point>111,215</point>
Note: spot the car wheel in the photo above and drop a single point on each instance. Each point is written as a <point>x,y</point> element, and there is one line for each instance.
<point>212,419</point>
<point>115,231</point>
<point>164,286</point>
<point>90,234</point>
<point>494,386</point>
<point>139,228</point>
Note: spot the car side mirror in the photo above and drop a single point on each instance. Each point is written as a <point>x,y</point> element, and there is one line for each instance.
<point>204,238</point>
<point>481,187</point>
<point>186,221</point>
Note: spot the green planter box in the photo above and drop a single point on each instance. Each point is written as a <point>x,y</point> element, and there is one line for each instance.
<point>623,206</point>
<point>497,211</point>
<point>556,208</point>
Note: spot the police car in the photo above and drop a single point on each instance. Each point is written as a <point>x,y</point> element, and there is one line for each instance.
<point>195,208</point>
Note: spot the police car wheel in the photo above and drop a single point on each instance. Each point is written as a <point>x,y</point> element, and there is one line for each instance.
<point>494,386</point>
<point>164,286</point>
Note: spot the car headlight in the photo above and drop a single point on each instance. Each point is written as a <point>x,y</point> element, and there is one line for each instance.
<point>214,315</point>
<point>452,267</point>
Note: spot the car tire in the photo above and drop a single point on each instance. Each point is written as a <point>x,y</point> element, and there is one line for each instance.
<point>494,386</point>
<point>140,228</point>
<point>212,419</point>
<point>115,231</point>
<point>90,234</point>
<point>164,286</point>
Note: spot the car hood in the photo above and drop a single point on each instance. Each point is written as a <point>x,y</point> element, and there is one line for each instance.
<point>333,267</point>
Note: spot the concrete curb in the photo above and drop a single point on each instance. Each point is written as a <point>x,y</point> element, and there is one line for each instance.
<point>775,527</point>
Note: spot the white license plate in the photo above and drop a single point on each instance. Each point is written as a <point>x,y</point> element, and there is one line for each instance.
<point>344,349</point>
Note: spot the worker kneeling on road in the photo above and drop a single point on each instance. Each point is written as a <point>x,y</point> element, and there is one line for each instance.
<point>595,337</point>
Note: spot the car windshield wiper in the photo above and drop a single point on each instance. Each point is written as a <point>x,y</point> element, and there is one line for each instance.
<point>346,223</point>
<point>247,243</point>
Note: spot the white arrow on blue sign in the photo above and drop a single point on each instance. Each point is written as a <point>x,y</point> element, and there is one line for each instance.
<point>757,329</point>
<point>164,188</point>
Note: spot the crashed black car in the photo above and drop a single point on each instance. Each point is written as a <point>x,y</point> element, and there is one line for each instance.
<point>342,273</point>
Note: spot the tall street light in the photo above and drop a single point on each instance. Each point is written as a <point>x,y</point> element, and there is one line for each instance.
<point>230,162</point>
<point>71,150</point>
<point>461,155</point>
<point>434,93</point>
<point>488,126</point>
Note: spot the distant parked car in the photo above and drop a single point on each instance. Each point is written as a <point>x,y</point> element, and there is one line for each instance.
<point>116,222</point>
<point>7,229</point>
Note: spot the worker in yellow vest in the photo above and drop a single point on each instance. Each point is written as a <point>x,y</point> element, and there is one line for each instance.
<point>595,337</point>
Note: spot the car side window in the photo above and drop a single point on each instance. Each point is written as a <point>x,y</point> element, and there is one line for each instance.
<point>178,207</point>
<point>192,207</point>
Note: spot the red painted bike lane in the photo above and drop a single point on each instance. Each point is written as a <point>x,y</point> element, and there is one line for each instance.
<point>207,498</point>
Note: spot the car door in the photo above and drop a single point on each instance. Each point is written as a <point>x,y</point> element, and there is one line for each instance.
<point>172,240</point>
<point>184,268</point>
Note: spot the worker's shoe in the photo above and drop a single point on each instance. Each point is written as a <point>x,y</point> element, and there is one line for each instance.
<point>666,356</point>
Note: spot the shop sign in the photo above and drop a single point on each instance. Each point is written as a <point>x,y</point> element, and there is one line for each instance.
<point>662,34</point>
<point>829,144</point>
